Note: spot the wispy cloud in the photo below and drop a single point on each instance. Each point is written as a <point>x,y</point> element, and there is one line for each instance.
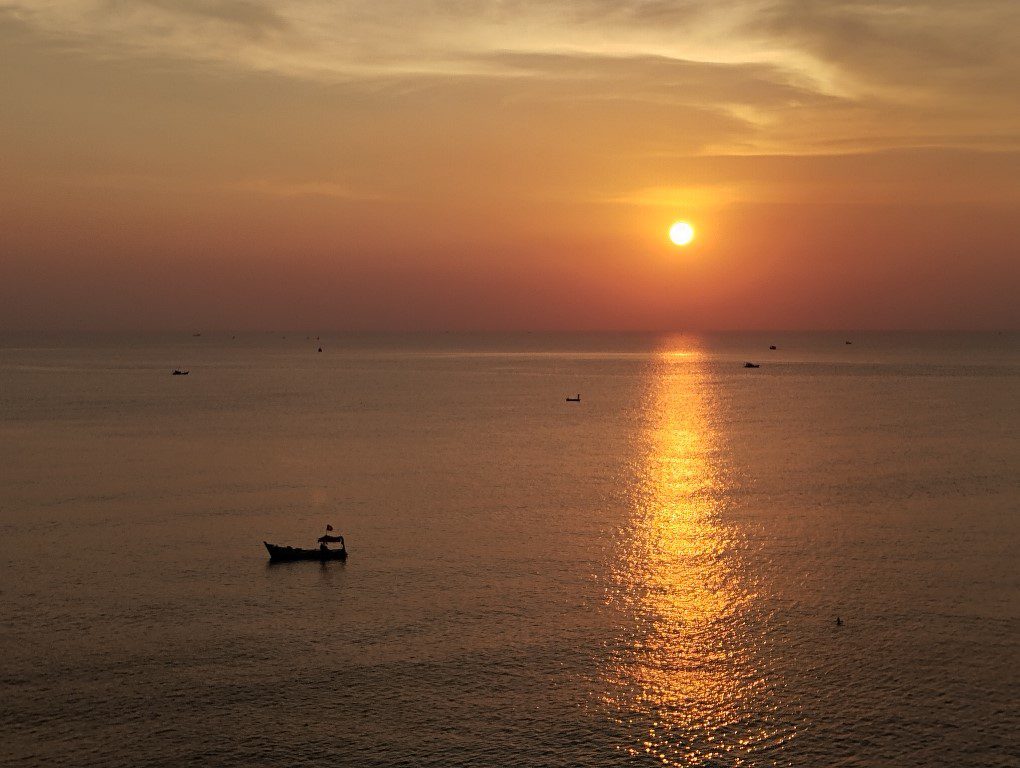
<point>256,18</point>
<point>797,72</point>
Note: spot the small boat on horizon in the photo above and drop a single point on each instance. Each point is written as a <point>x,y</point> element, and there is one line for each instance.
<point>278,554</point>
<point>179,372</point>
<point>323,553</point>
<point>574,399</point>
<point>751,365</point>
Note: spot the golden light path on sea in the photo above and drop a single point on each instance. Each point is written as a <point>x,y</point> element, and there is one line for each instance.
<point>689,686</point>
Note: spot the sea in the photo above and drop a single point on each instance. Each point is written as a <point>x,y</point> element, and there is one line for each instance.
<point>809,563</point>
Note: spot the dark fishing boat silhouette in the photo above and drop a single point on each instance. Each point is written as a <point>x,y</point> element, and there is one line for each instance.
<point>751,365</point>
<point>179,372</point>
<point>278,554</point>
<point>574,399</point>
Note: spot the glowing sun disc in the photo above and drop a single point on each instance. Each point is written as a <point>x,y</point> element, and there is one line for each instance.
<point>681,233</point>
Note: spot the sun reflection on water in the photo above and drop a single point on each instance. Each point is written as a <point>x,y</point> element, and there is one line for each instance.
<point>685,684</point>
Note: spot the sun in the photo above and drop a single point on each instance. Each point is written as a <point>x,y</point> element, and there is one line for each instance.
<point>681,233</point>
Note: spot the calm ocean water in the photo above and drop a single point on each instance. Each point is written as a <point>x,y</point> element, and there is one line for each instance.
<point>648,577</point>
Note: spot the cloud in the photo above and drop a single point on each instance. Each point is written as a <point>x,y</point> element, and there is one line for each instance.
<point>253,17</point>
<point>906,46</point>
<point>797,75</point>
<point>659,78</point>
<point>582,100</point>
<point>922,176</point>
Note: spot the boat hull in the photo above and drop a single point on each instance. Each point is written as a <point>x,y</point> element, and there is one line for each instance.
<point>279,554</point>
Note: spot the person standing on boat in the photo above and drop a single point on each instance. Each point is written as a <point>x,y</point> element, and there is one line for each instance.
<point>328,537</point>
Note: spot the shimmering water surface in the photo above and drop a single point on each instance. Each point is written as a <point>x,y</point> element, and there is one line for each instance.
<point>650,576</point>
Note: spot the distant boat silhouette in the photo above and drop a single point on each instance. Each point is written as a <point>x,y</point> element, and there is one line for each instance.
<point>848,342</point>
<point>277,553</point>
<point>574,399</point>
<point>197,333</point>
<point>751,365</point>
<point>285,554</point>
<point>179,372</point>
<point>772,346</point>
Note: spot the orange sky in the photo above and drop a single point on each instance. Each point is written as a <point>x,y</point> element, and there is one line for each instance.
<point>320,164</point>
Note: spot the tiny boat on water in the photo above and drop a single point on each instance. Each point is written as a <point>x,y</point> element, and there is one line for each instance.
<point>574,399</point>
<point>286,554</point>
<point>282,554</point>
<point>179,372</point>
<point>751,365</point>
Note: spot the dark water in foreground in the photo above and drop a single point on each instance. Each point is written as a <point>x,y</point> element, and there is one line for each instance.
<point>648,577</point>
